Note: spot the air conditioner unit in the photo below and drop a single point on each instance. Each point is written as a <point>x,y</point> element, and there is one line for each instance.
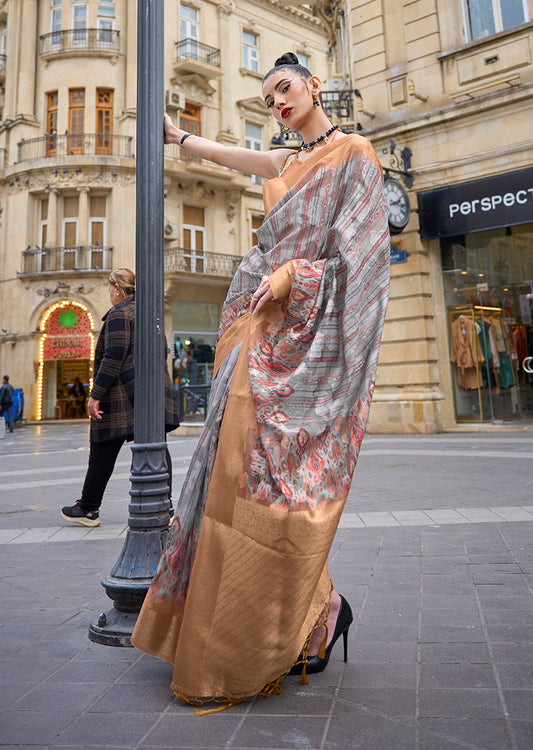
<point>335,84</point>
<point>175,99</point>
<point>171,231</point>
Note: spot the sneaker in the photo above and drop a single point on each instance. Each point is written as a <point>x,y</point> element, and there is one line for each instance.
<point>75,514</point>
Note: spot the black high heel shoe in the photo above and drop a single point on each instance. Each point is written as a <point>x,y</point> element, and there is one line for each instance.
<point>316,663</point>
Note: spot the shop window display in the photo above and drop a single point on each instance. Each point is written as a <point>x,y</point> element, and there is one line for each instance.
<point>193,355</point>
<point>488,285</point>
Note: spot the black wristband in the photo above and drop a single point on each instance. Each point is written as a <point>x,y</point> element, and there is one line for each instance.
<point>185,136</point>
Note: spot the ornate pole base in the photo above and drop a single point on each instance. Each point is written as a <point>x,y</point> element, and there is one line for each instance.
<point>114,628</point>
<point>148,522</point>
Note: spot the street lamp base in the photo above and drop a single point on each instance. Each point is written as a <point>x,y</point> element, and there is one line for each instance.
<point>113,628</point>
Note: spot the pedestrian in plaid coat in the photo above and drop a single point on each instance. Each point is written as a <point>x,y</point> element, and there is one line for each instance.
<point>110,404</point>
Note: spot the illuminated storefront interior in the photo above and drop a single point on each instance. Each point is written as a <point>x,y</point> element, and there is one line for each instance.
<point>66,355</point>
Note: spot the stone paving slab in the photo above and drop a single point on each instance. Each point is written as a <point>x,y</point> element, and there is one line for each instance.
<point>440,651</point>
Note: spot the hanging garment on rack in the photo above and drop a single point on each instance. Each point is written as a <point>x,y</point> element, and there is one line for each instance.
<point>501,335</point>
<point>465,351</point>
<point>521,344</point>
<point>488,343</point>
<point>503,346</point>
<point>505,371</point>
<point>488,347</point>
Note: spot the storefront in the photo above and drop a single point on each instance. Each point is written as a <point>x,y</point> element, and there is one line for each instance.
<point>485,231</point>
<point>66,354</point>
<point>193,354</point>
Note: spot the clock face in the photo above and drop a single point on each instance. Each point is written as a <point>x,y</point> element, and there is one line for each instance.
<point>398,206</point>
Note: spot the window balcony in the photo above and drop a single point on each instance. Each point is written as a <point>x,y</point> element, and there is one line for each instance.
<point>182,260</point>
<point>88,144</point>
<point>99,42</point>
<point>79,258</point>
<point>338,106</point>
<point>194,57</point>
<point>3,63</point>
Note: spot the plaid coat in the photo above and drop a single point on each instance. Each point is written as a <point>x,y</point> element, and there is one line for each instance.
<point>114,367</point>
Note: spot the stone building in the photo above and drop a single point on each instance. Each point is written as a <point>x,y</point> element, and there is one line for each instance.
<point>67,174</point>
<point>444,92</point>
<point>441,87</point>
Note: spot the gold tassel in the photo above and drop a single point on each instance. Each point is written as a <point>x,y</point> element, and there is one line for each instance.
<point>213,710</point>
<point>322,649</point>
<point>303,676</point>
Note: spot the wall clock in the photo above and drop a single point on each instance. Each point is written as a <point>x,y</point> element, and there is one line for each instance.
<point>398,207</point>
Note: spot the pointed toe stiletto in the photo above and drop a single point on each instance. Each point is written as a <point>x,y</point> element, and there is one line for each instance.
<point>316,663</point>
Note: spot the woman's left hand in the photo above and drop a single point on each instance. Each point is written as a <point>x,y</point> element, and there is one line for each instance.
<point>93,408</point>
<point>261,296</point>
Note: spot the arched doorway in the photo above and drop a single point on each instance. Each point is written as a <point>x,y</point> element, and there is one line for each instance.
<point>66,354</point>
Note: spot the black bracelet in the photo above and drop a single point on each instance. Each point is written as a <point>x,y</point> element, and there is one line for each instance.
<point>185,136</point>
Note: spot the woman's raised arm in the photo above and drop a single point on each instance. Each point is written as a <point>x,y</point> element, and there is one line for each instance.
<point>261,163</point>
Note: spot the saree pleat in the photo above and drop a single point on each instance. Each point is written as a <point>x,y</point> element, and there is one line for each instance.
<point>244,575</point>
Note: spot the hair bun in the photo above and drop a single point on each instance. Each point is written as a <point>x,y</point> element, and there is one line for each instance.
<point>289,58</point>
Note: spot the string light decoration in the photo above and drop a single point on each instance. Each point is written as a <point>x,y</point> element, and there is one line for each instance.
<point>43,340</point>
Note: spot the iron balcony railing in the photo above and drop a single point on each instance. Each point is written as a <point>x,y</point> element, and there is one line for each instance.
<point>174,152</point>
<point>192,49</point>
<point>91,144</point>
<point>78,258</point>
<point>75,40</point>
<point>182,260</point>
<point>338,106</point>
<point>3,60</point>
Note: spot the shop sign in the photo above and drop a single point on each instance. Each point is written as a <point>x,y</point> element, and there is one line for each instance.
<point>57,347</point>
<point>492,203</point>
<point>397,256</point>
<point>67,330</point>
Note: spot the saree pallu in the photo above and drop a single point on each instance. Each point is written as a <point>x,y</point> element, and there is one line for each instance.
<point>244,574</point>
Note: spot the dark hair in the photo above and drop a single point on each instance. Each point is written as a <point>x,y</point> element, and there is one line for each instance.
<point>290,61</point>
<point>6,378</point>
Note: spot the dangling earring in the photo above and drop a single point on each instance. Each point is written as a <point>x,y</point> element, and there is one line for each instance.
<point>316,102</point>
<point>285,128</point>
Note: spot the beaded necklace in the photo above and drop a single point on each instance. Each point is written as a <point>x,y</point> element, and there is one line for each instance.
<point>309,146</point>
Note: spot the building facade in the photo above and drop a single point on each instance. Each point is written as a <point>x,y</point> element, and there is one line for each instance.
<point>441,87</point>
<point>67,175</point>
<point>444,92</point>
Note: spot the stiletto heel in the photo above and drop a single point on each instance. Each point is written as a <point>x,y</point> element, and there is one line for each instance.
<point>317,664</point>
<point>345,636</point>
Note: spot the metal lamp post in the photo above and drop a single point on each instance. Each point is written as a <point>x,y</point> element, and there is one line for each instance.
<point>148,521</point>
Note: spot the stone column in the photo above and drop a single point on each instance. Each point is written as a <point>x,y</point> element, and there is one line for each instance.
<point>51,235</point>
<point>83,216</point>
<point>130,99</point>
<point>225,86</point>
<point>27,51</point>
<point>12,53</point>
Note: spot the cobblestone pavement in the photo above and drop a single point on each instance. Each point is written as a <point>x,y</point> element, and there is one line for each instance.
<point>434,553</point>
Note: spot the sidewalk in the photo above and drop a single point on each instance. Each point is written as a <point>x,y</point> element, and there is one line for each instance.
<point>434,554</point>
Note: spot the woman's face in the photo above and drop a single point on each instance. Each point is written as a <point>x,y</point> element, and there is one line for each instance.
<point>289,98</point>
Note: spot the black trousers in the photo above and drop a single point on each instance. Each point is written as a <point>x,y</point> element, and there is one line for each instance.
<point>9,411</point>
<point>102,459</point>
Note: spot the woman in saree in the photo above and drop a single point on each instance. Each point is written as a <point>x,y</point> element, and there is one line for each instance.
<point>242,595</point>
